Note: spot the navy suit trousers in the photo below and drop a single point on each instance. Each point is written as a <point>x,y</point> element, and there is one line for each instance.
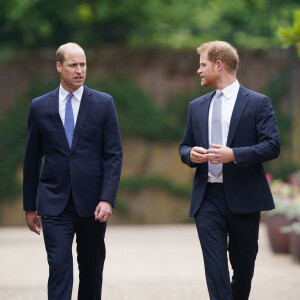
<point>219,231</point>
<point>58,234</point>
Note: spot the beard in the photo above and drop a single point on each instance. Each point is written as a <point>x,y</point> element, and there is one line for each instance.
<point>210,80</point>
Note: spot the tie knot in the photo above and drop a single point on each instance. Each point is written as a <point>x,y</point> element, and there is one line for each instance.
<point>70,95</point>
<point>219,94</point>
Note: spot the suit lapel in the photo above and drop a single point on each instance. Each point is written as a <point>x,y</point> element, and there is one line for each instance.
<point>53,103</point>
<point>202,113</point>
<point>240,104</point>
<point>83,111</point>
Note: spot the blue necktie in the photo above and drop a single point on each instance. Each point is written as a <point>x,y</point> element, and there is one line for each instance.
<point>69,120</point>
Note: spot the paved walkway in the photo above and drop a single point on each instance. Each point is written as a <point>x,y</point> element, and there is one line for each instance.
<point>143,263</point>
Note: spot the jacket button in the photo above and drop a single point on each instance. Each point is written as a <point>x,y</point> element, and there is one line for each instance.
<point>70,157</point>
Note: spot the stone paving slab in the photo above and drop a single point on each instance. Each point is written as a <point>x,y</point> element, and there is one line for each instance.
<point>159,262</point>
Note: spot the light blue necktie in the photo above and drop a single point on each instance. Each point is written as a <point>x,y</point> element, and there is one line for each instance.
<point>216,131</point>
<point>69,120</point>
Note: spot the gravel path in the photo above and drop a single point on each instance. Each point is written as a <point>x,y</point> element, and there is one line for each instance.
<point>162,262</point>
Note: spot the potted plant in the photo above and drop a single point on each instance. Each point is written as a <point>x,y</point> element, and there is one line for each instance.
<point>292,215</point>
<point>293,230</point>
<point>280,216</point>
<point>295,241</point>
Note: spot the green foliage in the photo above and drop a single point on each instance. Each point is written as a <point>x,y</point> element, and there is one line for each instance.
<point>136,184</point>
<point>13,132</point>
<point>139,117</point>
<point>176,112</point>
<point>122,206</point>
<point>171,23</point>
<point>277,87</point>
<point>139,183</point>
<point>136,113</point>
<point>135,108</point>
<point>291,35</point>
<point>13,138</point>
<point>37,22</point>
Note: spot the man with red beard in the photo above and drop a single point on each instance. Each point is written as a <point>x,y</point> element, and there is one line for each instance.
<point>229,134</point>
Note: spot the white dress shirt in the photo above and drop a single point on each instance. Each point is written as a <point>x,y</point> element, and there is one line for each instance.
<point>62,101</point>
<point>228,100</point>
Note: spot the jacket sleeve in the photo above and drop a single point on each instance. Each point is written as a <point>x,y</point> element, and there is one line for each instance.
<point>32,163</point>
<point>268,142</point>
<point>187,142</point>
<point>112,155</point>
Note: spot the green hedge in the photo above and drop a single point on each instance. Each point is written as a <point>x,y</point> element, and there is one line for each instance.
<point>136,184</point>
<point>138,115</point>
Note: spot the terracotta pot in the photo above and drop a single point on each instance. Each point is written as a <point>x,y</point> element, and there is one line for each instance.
<point>295,246</point>
<point>279,241</point>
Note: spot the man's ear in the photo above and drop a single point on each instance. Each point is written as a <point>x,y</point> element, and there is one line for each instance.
<point>219,65</point>
<point>58,67</point>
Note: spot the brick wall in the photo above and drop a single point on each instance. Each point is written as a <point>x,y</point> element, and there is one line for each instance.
<point>160,72</point>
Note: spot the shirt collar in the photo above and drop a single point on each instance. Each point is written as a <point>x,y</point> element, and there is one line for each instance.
<point>230,90</point>
<point>77,94</point>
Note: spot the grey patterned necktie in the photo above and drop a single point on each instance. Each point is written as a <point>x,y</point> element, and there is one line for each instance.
<point>216,131</point>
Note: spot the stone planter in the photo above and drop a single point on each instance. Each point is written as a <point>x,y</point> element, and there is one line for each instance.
<point>279,242</point>
<point>295,246</point>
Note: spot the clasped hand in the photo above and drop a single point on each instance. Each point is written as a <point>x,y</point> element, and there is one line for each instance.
<point>218,154</point>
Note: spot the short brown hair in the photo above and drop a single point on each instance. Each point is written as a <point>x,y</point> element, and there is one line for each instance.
<point>60,53</point>
<point>223,51</point>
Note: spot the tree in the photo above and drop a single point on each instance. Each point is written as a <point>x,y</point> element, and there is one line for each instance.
<point>291,35</point>
<point>162,23</point>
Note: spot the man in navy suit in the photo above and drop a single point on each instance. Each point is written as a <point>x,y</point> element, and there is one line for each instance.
<point>75,130</point>
<point>229,134</point>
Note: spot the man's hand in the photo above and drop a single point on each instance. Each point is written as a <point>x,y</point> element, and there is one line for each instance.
<point>33,221</point>
<point>197,155</point>
<point>103,211</point>
<point>220,154</point>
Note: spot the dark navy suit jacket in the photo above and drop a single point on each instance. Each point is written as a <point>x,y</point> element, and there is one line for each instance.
<point>254,139</point>
<point>90,169</point>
